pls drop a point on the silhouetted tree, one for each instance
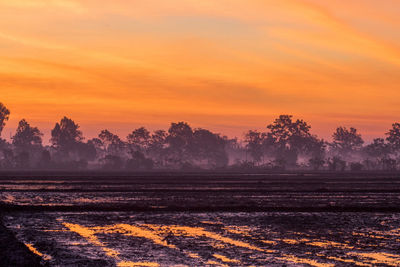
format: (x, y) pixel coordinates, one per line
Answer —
(112, 144)
(157, 147)
(236, 152)
(287, 143)
(66, 135)
(4, 116)
(180, 136)
(290, 138)
(378, 148)
(27, 143)
(112, 147)
(346, 141)
(255, 144)
(71, 152)
(210, 148)
(139, 161)
(98, 145)
(393, 137)
(26, 136)
(314, 149)
(158, 139)
(377, 153)
(139, 140)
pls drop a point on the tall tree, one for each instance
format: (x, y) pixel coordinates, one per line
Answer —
(157, 147)
(26, 136)
(4, 116)
(180, 135)
(27, 142)
(158, 139)
(393, 137)
(66, 134)
(209, 147)
(112, 144)
(378, 155)
(346, 140)
(179, 139)
(290, 137)
(139, 139)
(255, 144)
(316, 149)
(378, 148)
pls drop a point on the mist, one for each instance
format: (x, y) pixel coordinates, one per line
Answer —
(287, 144)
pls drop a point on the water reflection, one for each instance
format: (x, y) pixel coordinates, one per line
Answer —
(35, 251)
(225, 259)
(141, 264)
(163, 235)
(133, 241)
(378, 258)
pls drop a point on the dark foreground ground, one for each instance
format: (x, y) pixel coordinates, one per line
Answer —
(14, 252)
(222, 219)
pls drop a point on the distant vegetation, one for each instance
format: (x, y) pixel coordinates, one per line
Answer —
(287, 144)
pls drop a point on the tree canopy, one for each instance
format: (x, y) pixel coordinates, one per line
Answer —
(287, 143)
(4, 116)
(26, 135)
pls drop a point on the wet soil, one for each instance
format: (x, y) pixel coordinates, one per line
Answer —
(15, 253)
(211, 239)
(200, 219)
(202, 192)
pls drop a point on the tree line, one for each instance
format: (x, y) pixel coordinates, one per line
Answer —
(286, 144)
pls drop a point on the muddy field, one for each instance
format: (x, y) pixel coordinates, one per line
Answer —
(220, 239)
(205, 219)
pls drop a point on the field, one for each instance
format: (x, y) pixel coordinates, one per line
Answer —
(209, 219)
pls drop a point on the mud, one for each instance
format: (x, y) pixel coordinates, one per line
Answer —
(214, 239)
(15, 253)
(202, 219)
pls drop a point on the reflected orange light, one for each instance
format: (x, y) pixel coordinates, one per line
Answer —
(224, 65)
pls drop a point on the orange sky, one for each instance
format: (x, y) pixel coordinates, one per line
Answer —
(227, 65)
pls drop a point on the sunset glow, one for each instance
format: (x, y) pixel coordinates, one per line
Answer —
(225, 65)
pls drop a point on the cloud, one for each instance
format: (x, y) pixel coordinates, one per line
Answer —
(69, 5)
(238, 61)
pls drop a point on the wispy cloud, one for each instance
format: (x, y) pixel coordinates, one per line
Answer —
(68, 5)
(177, 58)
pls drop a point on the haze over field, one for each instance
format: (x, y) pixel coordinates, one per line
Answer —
(199, 132)
(224, 65)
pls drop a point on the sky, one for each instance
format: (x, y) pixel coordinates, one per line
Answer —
(225, 65)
